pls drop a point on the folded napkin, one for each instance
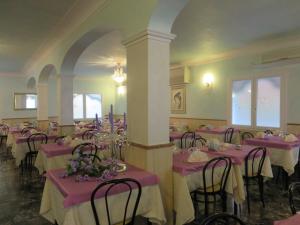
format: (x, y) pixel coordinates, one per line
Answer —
(290, 138)
(214, 144)
(197, 156)
(67, 140)
(260, 135)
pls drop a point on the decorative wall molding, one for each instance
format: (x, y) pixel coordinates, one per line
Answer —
(148, 34)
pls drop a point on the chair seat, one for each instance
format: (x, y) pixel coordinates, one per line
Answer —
(216, 189)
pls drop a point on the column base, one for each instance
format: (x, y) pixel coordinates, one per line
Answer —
(159, 160)
(66, 130)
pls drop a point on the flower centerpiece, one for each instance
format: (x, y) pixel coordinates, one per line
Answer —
(85, 167)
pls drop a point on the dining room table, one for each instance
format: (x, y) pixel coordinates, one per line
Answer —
(188, 176)
(20, 147)
(54, 155)
(293, 220)
(282, 153)
(218, 133)
(67, 201)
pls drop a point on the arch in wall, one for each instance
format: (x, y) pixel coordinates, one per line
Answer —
(46, 72)
(73, 54)
(31, 84)
(165, 14)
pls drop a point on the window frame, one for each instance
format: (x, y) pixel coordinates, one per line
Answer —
(84, 105)
(254, 81)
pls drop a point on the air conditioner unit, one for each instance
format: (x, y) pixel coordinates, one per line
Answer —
(281, 55)
(180, 75)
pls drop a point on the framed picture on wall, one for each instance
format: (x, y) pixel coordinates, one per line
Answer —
(178, 99)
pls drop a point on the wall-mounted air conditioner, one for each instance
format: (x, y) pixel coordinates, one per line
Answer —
(180, 75)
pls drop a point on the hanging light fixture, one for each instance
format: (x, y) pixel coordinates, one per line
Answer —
(119, 75)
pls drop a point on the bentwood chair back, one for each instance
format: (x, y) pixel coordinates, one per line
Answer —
(4, 129)
(88, 134)
(268, 132)
(199, 142)
(187, 139)
(222, 219)
(294, 197)
(254, 162)
(34, 142)
(129, 185)
(214, 178)
(228, 135)
(86, 148)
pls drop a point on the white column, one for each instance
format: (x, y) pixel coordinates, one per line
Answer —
(148, 104)
(65, 103)
(42, 107)
(148, 108)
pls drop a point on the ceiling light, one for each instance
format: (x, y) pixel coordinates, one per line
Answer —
(119, 75)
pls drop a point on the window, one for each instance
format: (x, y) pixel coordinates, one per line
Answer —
(85, 106)
(256, 102)
(31, 101)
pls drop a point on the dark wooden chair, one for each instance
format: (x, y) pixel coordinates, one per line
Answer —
(254, 162)
(88, 134)
(228, 135)
(210, 188)
(33, 142)
(108, 186)
(199, 142)
(268, 131)
(222, 219)
(186, 140)
(4, 129)
(87, 149)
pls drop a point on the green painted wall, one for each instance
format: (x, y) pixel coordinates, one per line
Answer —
(212, 103)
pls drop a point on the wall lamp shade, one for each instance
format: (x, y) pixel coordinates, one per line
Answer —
(208, 79)
(119, 76)
(121, 90)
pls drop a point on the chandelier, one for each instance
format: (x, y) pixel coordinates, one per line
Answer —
(119, 75)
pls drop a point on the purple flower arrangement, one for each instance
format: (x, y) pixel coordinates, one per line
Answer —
(84, 169)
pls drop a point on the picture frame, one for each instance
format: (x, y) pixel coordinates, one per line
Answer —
(178, 99)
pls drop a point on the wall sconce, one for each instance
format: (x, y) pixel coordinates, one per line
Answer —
(121, 89)
(208, 79)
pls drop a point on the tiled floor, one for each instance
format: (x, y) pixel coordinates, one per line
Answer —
(20, 199)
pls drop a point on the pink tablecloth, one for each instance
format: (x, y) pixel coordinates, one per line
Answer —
(53, 149)
(272, 142)
(217, 130)
(237, 156)
(293, 220)
(23, 139)
(77, 192)
(175, 135)
(183, 167)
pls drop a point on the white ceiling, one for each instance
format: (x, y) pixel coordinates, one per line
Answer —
(204, 28)
(210, 27)
(102, 56)
(24, 26)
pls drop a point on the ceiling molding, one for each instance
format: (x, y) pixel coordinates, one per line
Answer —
(148, 34)
(73, 18)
